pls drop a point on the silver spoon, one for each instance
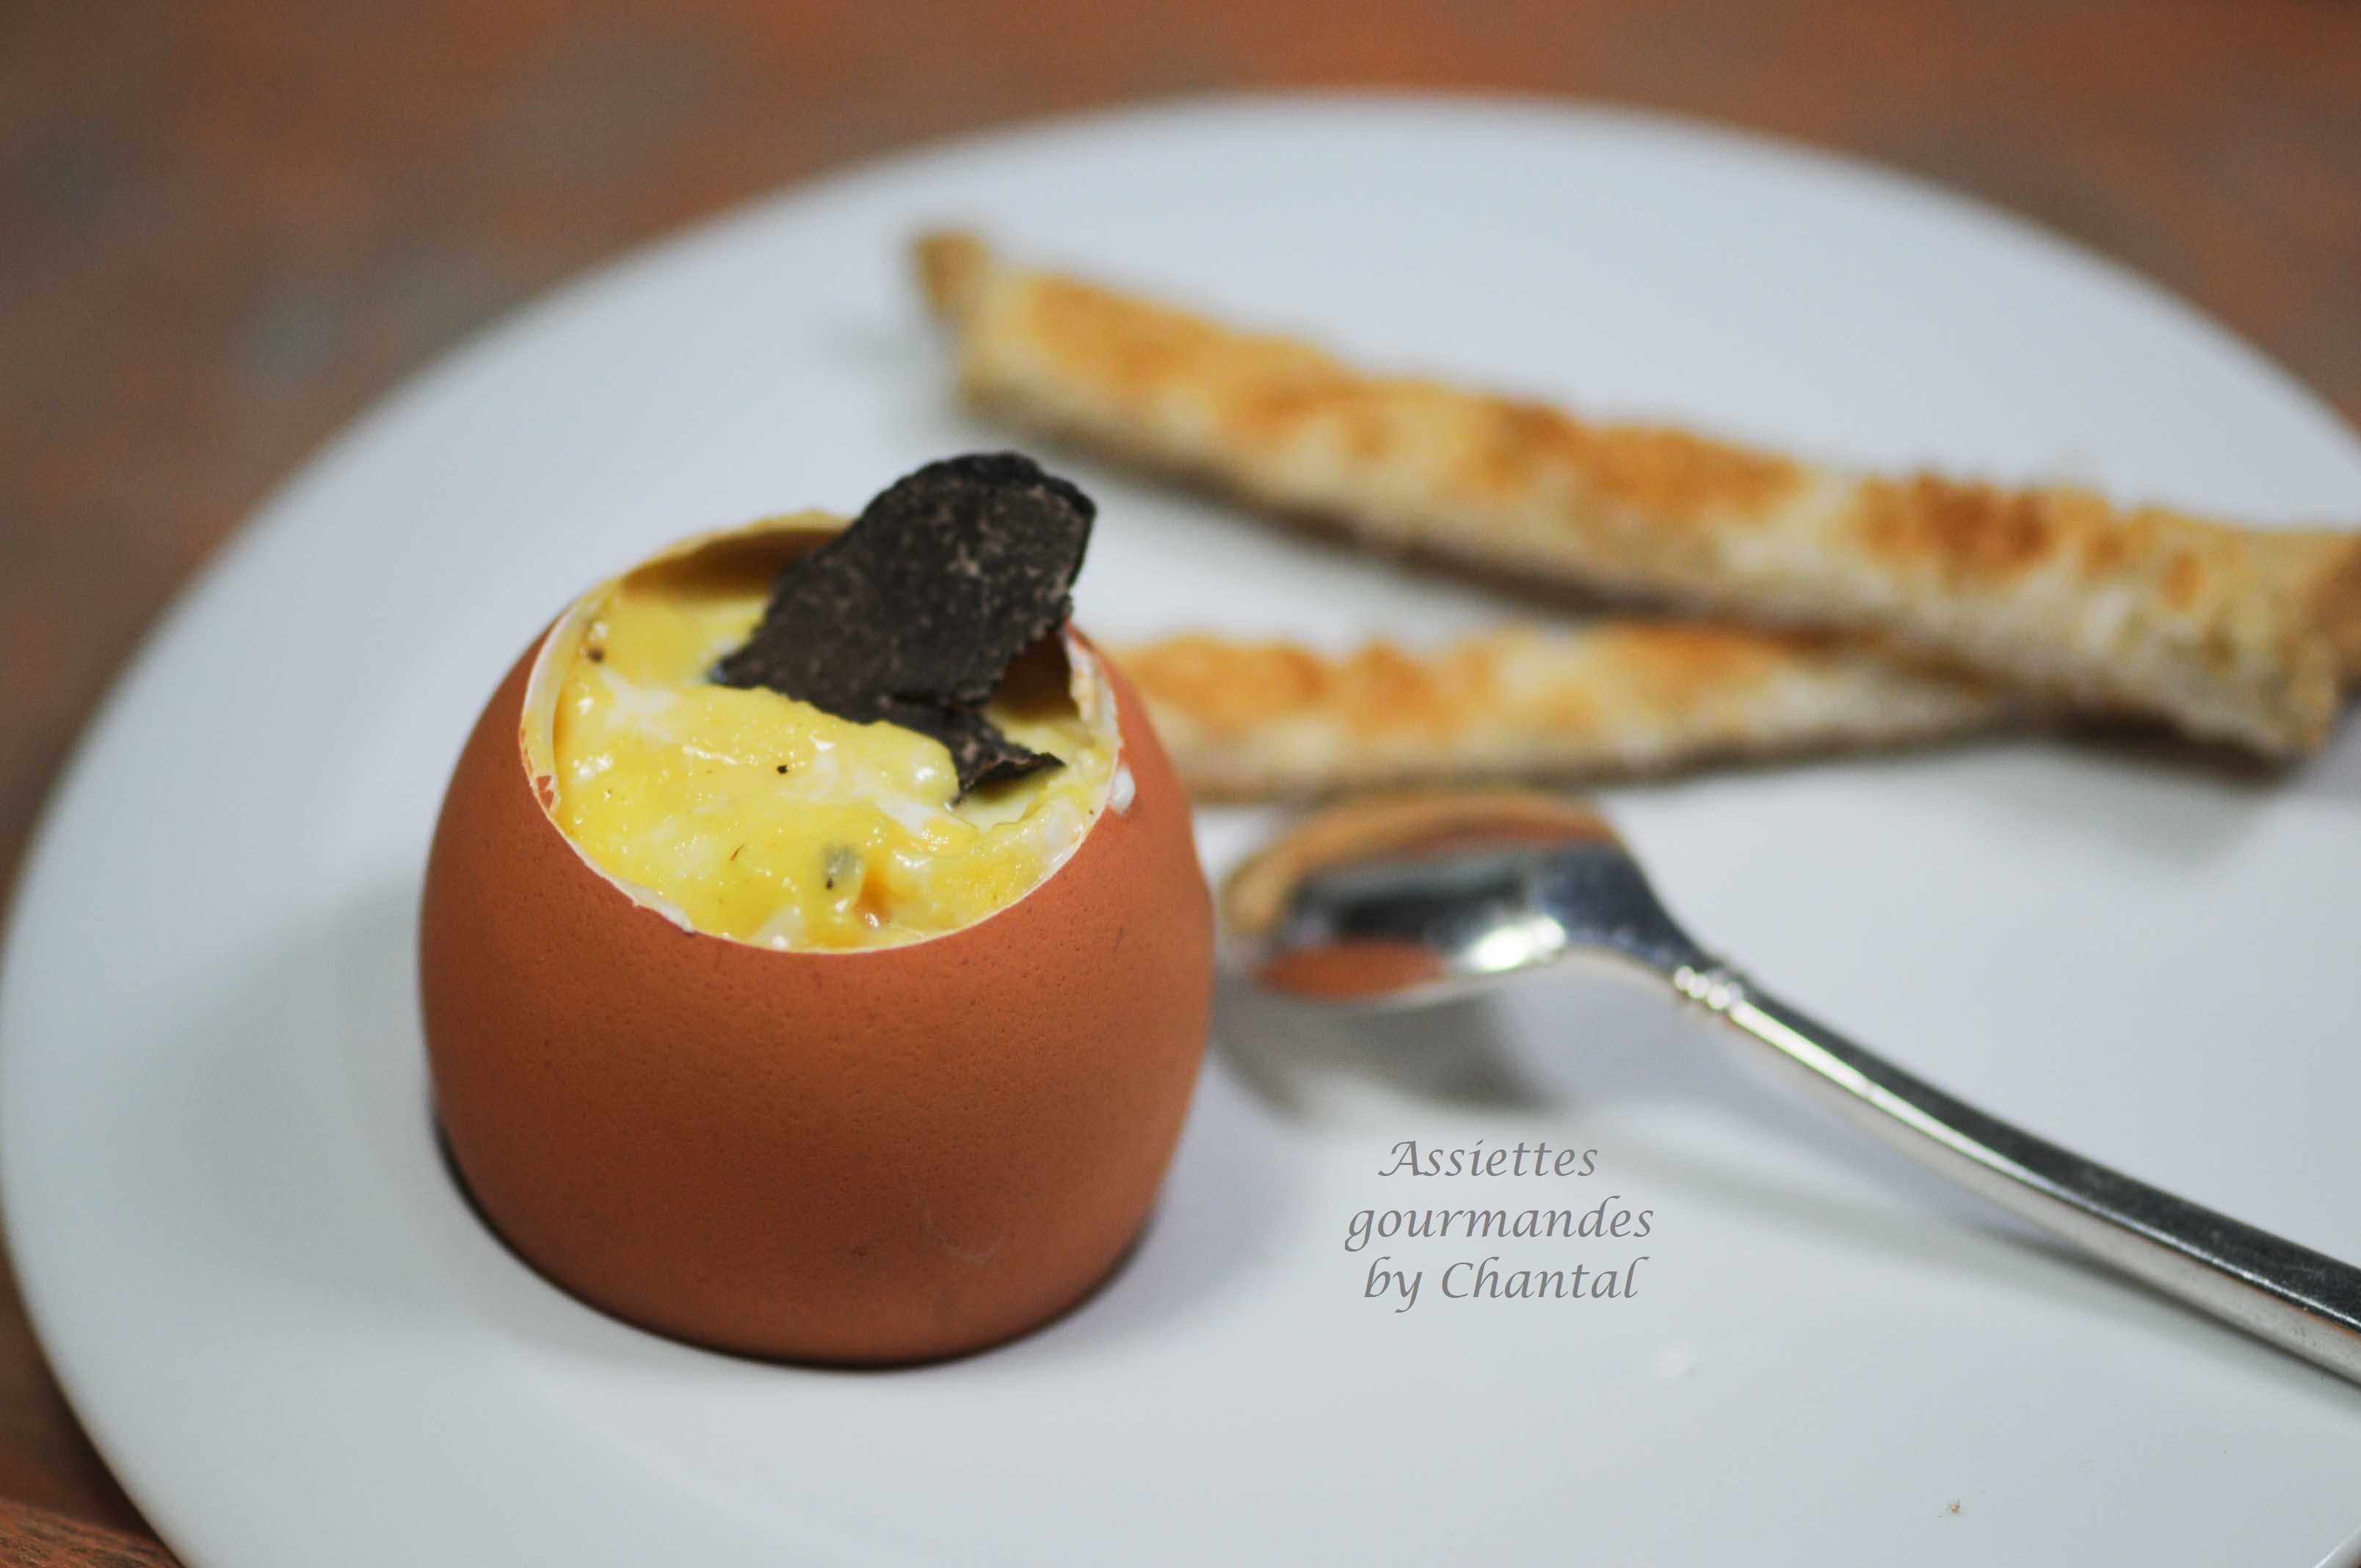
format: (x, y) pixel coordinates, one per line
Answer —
(1398, 899)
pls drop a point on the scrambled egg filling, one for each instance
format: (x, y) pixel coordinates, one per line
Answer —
(760, 817)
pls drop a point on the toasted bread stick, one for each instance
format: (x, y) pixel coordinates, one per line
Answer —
(1248, 720)
(2237, 634)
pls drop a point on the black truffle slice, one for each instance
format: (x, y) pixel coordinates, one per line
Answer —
(912, 615)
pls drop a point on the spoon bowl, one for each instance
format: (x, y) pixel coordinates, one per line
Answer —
(1404, 899)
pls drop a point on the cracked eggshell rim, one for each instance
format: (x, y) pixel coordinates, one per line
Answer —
(553, 655)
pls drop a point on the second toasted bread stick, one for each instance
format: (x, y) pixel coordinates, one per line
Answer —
(1248, 720)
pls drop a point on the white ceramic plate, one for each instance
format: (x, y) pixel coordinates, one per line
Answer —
(296, 1347)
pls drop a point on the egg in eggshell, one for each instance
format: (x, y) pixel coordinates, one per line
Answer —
(864, 1155)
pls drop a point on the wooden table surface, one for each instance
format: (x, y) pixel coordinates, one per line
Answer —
(225, 228)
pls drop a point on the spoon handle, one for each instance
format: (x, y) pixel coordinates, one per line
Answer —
(2297, 1299)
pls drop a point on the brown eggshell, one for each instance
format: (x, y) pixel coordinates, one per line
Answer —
(873, 1156)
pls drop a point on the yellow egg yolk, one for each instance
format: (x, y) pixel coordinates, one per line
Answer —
(757, 817)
